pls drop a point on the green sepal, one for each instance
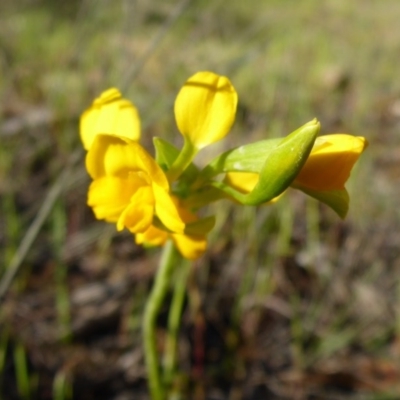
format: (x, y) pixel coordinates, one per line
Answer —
(338, 200)
(280, 167)
(247, 158)
(250, 157)
(167, 153)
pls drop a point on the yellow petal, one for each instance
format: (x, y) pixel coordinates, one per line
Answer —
(108, 196)
(109, 114)
(205, 108)
(330, 163)
(112, 155)
(138, 216)
(152, 237)
(191, 247)
(244, 182)
(166, 210)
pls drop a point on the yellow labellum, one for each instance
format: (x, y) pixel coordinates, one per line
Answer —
(128, 186)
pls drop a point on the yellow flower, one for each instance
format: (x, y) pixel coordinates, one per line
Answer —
(191, 246)
(128, 186)
(205, 108)
(324, 174)
(109, 114)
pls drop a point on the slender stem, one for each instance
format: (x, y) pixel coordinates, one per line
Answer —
(153, 306)
(174, 320)
(184, 158)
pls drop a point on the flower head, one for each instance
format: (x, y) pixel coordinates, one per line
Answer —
(128, 186)
(158, 199)
(109, 114)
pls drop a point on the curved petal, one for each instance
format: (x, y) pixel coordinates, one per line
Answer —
(330, 163)
(167, 211)
(152, 237)
(244, 182)
(108, 196)
(191, 247)
(138, 215)
(109, 114)
(205, 108)
(112, 155)
(87, 126)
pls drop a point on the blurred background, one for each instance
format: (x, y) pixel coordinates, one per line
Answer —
(289, 301)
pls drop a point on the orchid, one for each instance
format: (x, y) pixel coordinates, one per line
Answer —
(129, 188)
(159, 198)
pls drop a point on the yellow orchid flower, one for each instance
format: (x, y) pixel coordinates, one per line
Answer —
(205, 108)
(128, 186)
(324, 174)
(109, 114)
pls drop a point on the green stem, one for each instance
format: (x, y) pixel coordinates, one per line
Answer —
(152, 309)
(183, 160)
(174, 320)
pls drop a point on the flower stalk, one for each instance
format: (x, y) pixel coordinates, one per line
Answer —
(153, 306)
(174, 320)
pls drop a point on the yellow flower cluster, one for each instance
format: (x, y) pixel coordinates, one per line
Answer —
(129, 188)
(134, 191)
